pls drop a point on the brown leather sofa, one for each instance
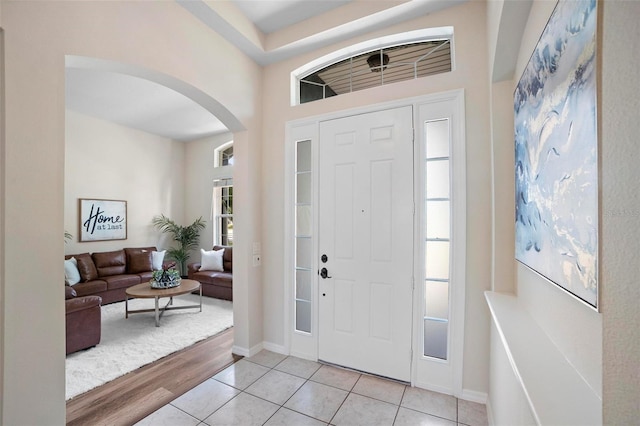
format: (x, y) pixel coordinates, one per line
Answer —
(218, 284)
(82, 320)
(109, 274)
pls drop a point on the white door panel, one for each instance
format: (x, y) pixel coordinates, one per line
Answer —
(366, 231)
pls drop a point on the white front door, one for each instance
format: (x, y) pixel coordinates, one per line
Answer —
(366, 242)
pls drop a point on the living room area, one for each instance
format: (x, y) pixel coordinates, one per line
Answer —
(137, 166)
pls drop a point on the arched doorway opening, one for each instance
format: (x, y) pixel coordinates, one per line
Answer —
(197, 96)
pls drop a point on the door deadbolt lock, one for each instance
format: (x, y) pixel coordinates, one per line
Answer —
(324, 258)
(324, 273)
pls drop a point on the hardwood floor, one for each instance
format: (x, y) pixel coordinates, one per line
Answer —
(134, 396)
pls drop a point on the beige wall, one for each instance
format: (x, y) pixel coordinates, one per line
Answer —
(470, 74)
(107, 161)
(158, 36)
(2, 184)
(620, 211)
(199, 177)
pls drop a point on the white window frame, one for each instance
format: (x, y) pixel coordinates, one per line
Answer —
(224, 178)
(367, 46)
(217, 212)
(218, 151)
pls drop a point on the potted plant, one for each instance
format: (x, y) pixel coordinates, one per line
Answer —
(187, 237)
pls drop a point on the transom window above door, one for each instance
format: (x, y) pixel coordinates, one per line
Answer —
(379, 62)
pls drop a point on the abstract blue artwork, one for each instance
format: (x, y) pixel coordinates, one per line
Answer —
(556, 148)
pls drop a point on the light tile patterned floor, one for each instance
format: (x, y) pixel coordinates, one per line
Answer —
(272, 389)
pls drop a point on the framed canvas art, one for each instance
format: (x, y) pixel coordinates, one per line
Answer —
(556, 149)
(102, 220)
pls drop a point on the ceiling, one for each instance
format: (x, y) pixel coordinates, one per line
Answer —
(274, 15)
(153, 108)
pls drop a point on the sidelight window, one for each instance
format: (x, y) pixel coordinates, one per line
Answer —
(437, 244)
(303, 237)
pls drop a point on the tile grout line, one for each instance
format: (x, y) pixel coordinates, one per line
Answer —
(306, 380)
(309, 379)
(399, 405)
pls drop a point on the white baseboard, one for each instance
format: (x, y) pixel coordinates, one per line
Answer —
(279, 349)
(430, 387)
(237, 350)
(467, 395)
(474, 396)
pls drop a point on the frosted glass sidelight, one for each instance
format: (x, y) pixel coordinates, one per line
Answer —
(303, 316)
(438, 219)
(303, 188)
(303, 241)
(437, 260)
(437, 299)
(303, 253)
(303, 284)
(437, 247)
(437, 174)
(435, 338)
(303, 156)
(303, 221)
(438, 138)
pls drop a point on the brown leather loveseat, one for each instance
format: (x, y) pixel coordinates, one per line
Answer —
(218, 284)
(82, 320)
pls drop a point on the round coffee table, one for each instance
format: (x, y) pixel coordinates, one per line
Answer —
(145, 291)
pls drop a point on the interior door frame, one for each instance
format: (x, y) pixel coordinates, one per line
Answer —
(305, 345)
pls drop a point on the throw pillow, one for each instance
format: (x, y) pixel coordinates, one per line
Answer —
(211, 260)
(71, 273)
(140, 262)
(157, 259)
(87, 268)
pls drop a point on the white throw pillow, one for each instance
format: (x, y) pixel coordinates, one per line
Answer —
(71, 273)
(211, 260)
(157, 257)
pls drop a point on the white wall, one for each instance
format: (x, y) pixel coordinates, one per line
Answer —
(508, 404)
(108, 161)
(470, 74)
(199, 177)
(158, 36)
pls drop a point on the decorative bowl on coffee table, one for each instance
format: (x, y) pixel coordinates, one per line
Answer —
(165, 279)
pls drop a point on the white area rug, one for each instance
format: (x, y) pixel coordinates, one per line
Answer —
(128, 344)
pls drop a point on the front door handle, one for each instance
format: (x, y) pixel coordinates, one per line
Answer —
(324, 273)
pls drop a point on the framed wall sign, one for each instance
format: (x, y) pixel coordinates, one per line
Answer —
(102, 220)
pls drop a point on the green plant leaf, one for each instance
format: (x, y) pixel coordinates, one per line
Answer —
(188, 237)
